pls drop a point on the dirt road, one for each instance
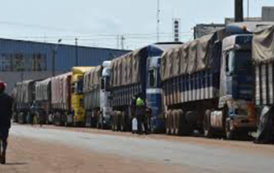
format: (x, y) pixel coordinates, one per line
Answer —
(50, 150)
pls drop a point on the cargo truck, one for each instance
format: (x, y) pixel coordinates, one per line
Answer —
(25, 96)
(263, 59)
(97, 96)
(208, 85)
(61, 98)
(43, 99)
(78, 116)
(129, 77)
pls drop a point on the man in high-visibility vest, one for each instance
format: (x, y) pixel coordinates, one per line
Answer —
(140, 113)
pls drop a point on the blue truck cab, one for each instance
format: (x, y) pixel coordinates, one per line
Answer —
(153, 84)
(236, 85)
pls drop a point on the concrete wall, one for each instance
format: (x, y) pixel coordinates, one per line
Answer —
(268, 14)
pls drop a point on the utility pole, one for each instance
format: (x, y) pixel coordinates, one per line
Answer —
(118, 41)
(76, 52)
(54, 51)
(122, 41)
(247, 9)
(158, 21)
(239, 16)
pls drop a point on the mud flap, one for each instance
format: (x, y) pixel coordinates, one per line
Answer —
(266, 127)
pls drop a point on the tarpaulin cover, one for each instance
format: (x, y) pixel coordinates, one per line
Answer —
(92, 79)
(263, 45)
(266, 126)
(125, 70)
(24, 91)
(187, 58)
(60, 91)
(43, 90)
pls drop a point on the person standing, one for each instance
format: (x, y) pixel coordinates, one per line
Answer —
(5, 120)
(140, 104)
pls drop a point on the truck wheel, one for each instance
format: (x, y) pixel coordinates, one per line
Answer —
(230, 134)
(179, 122)
(176, 120)
(122, 126)
(168, 122)
(119, 118)
(172, 115)
(208, 131)
(116, 121)
(112, 122)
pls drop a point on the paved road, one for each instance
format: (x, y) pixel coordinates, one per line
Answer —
(197, 155)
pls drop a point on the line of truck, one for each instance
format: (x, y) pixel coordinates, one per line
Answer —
(216, 85)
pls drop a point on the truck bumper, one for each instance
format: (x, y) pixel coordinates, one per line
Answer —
(157, 124)
(242, 124)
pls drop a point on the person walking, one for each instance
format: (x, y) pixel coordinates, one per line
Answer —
(5, 120)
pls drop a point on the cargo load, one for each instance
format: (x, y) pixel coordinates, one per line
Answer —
(263, 58)
(91, 88)
(43, 90)
(130, 76)
(60, 92)
(207, 85)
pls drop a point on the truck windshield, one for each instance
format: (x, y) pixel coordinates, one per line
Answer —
(243, 63)
(152, 78)
(79, 87)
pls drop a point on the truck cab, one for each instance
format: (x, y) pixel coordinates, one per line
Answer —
(77, 103)
(236, 86)
(154, 92)
(105, 96)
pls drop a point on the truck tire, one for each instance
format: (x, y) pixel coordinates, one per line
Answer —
(208, 131)
(114, 117)
(168, 122)
(122, 121)
(112, 121)
(180, 124)
(176, 122)
(172, 116)
(119, 118)
(230, 134)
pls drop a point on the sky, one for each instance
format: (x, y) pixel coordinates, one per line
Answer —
(101, 22)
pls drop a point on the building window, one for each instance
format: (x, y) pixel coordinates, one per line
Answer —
(23, 62)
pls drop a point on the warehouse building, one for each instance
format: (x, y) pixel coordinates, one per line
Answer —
(23, 60)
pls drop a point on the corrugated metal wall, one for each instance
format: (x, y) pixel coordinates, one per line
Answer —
(65, 58)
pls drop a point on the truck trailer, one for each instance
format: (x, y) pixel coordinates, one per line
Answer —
(43, 100)
(61, 98)
(25, 96)
(208, 85)
(263, 59)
